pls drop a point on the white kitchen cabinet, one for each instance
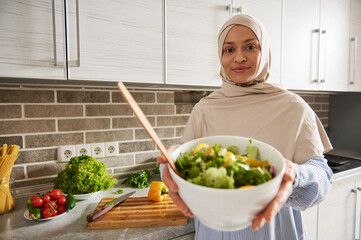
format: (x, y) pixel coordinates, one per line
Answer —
(192, 28)
(115, 40)
(316, 45)
(339, 213)
(335, 26)
(300, 44)
(355, 46)
(310, 219)
(192, 32)
(32, 39)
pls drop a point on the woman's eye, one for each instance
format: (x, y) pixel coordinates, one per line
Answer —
(251, 47)
(228, 50)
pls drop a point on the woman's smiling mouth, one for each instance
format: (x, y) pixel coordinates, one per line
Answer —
(240, 69)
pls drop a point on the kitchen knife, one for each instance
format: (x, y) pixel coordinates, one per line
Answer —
(107, 207)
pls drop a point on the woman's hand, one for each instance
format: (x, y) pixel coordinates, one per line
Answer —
(280, 199)
(172, 186)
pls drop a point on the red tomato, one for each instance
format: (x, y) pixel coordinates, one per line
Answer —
(47, 204)
(47, 213)
(55, 212)
(35, 195)
(61, 200)
(37, 201)
(55, 194)
(46, 198)
(61, 209)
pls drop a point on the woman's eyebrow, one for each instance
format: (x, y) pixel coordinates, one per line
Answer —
(246, 41)
(250, 39)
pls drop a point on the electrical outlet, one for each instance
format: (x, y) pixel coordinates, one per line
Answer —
(65, 153)
(111, 149)
(82, 149)
(97, 150)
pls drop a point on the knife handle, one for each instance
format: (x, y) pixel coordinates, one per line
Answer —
(98, 213)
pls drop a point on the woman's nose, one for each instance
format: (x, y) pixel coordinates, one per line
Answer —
(240, 56)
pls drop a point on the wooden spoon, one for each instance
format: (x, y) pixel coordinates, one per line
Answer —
(145, 123)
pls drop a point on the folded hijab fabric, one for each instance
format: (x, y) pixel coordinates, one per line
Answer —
(261, 111)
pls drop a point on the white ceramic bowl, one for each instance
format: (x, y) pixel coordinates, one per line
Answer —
(229, 209)
(86, 196)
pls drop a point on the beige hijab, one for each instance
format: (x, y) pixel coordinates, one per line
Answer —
(263, 111)
(261, 34)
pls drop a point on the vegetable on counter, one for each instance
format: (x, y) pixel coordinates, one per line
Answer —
(224, 167)
(84, 174)
(139, 179)
(119, 191)
(158, 191)
(49, 205)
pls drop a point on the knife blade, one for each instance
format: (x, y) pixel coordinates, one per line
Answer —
(108, 206)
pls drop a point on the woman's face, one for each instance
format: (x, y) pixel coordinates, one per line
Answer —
(241, 54)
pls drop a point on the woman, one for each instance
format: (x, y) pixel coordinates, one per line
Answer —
(248, 106)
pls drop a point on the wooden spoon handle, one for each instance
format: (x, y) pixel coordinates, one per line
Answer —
(145, 123)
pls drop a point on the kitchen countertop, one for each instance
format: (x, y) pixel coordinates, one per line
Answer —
(74, 225)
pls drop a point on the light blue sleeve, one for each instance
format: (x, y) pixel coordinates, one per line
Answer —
(312, 184)
(161, 168)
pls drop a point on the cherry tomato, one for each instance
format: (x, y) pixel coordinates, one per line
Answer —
(35, 195)
(61, 209)
(61, 200)
(55, 212)
(55, 194)
(47, 213)
(46, 198)
(48, 203)
(37, 201)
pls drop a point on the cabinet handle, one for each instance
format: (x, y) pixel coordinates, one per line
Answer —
(54, 34)
(357, 212)
(323, 80)
(352, 80)
(316, 79)
(165, 44)
(77, 34)
(231, 9)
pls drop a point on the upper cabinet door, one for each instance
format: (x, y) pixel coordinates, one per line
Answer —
(115, 40)
(192, 28)
(335, 35)
(192, 37)
(355, 46)
(316, 45)
(301, 44)
(269, 13)
(32, 39)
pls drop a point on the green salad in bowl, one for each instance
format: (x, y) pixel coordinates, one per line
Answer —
(224, 167)
(227, 180)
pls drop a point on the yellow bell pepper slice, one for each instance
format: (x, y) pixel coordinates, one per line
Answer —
(229, 157)
(257, 163)
(246, 186)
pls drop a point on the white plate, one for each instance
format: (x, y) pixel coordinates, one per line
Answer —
(26, 215)
(86, 196)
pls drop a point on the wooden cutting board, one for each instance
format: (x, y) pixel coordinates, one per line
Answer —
(139, 211)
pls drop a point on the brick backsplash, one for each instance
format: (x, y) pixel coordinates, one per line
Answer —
(39, 119)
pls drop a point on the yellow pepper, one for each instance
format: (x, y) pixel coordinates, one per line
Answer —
(158, 191)
(257, 163)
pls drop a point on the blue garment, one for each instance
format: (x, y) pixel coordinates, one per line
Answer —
(311, 186)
